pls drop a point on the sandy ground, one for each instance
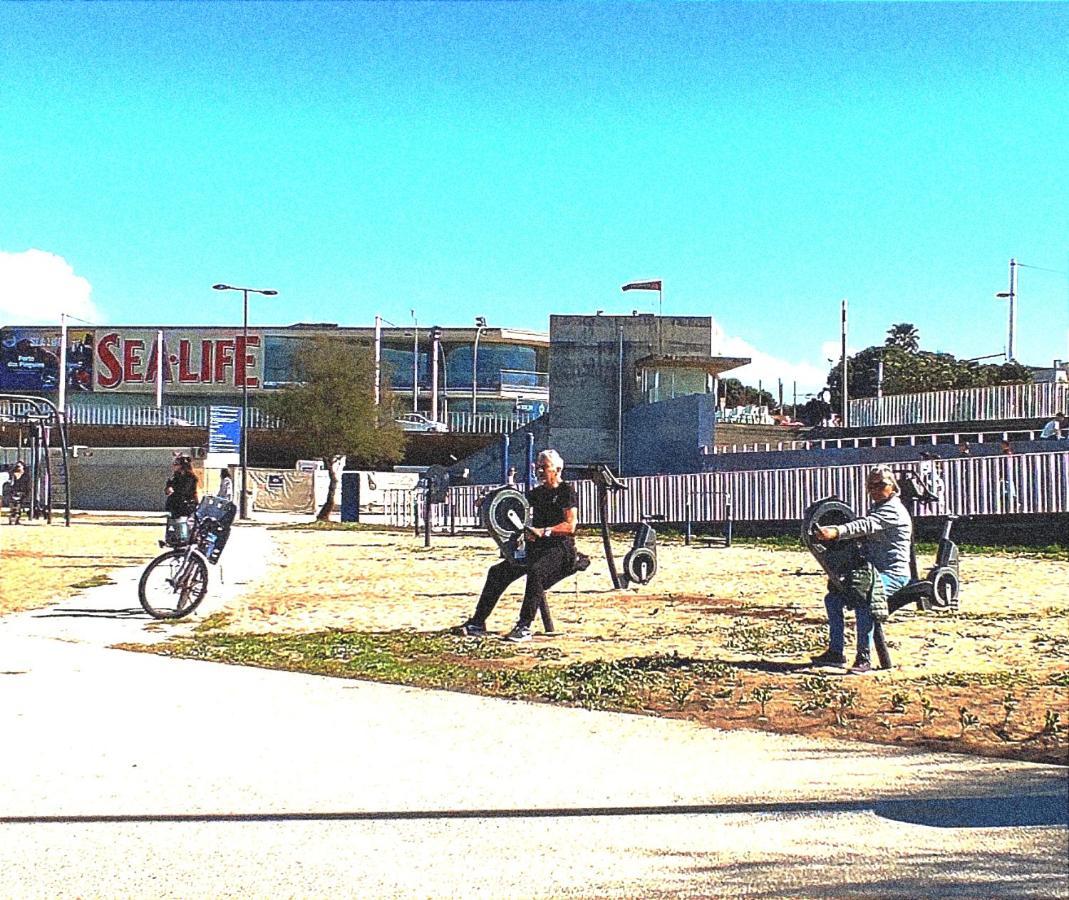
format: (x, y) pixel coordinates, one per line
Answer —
(758, 610)
(40, 563)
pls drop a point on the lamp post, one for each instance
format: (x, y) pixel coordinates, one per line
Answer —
(243, 503)
(1011, 295)
(480, 325)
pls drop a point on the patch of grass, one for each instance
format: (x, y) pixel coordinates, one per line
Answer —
(214, 622)
(316, 525)
(776, 637)
(1004, 679)
(445, 661)
(92, 582)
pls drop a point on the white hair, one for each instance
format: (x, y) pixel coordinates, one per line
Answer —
(553, 458)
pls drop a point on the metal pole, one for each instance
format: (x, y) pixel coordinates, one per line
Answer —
(415, 362)
(620, 399)
(63, 362)
(529, 475)
(1010, 355)
(475, 374)
(378, 359)
(434, 374)
(244, 506)
(159, 369)
(846, 418)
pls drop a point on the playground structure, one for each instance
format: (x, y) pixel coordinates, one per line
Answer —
(30, 428)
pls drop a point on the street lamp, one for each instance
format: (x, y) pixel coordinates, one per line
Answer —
(1011, 295)
(480, 325)
(243, 503)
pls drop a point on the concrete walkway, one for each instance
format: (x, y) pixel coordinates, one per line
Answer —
(133, 775)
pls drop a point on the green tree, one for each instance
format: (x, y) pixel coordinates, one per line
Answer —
(909, 372)
(904, 335)
(330, 410)
(736, 393)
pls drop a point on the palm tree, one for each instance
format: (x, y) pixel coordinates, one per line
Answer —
(904, 335)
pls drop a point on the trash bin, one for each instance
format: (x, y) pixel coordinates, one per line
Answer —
(350, 496)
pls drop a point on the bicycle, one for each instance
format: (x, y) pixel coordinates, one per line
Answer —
(175, 582)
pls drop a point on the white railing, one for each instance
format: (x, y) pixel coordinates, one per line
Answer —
(979, 485)
(172, 416)
(487, 423)
(1006, 401)
(883, 440)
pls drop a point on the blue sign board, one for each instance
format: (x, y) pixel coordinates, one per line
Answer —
(224, 429)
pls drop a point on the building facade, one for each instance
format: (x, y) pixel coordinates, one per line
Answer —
(446, 374)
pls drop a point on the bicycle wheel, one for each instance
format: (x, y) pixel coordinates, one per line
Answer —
(173, 585)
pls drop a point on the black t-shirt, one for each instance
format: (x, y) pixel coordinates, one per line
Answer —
(548, 506)
(184, 499)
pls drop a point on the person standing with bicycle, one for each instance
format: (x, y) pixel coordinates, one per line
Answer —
(181, 489)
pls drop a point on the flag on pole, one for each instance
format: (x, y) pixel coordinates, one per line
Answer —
(642, 286)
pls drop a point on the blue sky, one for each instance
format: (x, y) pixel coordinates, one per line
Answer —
(517, 160)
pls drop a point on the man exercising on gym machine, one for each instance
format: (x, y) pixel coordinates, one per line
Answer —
(550, 552)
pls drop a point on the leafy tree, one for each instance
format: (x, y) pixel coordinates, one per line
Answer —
(331, 413)
(915, 371)
(904, 335)
(736, 393)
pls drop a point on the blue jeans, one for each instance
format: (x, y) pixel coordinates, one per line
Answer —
(835, 604)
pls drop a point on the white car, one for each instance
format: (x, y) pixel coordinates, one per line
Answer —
(417, 422)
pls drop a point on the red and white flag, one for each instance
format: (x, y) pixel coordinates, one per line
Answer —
(642, 286)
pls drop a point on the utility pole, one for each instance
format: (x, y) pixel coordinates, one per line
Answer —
(845, 416)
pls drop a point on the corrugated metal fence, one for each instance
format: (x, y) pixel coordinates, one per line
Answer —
(1006, 401)
(985, 485)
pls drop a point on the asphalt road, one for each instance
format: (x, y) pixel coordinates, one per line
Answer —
(133, 775)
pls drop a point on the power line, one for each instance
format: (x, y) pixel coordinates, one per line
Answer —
(1041, 269)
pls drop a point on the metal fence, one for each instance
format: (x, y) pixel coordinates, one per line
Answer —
(188, 415)
(1006, 401)
(487, 423)
(884, 440)
(984, 485)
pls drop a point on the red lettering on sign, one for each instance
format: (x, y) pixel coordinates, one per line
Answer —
(224, 360)
(186, 375)
(133, 355)
(110, 373)
(206, 362)
(245, 360)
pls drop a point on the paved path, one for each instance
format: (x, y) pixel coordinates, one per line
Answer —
(133, 775)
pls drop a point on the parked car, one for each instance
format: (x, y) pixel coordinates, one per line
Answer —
(417, 422)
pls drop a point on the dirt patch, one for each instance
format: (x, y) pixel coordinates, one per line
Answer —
(992, 679)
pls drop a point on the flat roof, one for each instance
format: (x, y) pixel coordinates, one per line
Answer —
(713, 365)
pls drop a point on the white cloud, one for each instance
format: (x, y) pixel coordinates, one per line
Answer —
(36, 286)
(766, 368)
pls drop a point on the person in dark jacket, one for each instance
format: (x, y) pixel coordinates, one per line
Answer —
(181, 489)
(18, 489)
(887, 531)
(550, 551)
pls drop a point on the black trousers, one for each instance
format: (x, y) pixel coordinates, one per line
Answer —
(547, 563)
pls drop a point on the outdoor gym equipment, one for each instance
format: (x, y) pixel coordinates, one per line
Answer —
(436, 481)
(175, 582)
(938, 590)
(37, 424)
(640, 562)
(505, 514)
